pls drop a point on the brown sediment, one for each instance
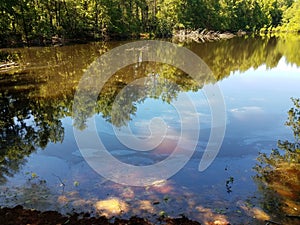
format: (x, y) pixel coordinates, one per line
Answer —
(19, 215)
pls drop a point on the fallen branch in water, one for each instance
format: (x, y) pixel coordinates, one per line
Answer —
(202, 36)
(62, 184)
(10, 64)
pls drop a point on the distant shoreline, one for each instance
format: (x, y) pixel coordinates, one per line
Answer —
(180, 35)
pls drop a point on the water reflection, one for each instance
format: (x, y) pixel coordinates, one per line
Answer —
(36, 100)
(26, 124)
(278, 175)
(132, 85)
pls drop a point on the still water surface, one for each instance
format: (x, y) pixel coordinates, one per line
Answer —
(41, 166)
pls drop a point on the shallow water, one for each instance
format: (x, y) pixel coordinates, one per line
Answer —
(42, 166)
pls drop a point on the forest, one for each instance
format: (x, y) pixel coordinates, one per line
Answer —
(37, 22)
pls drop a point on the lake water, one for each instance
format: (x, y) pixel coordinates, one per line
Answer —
(42, 167)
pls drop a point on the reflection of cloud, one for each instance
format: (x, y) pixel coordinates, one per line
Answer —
(257, 99)
(162, 186)
(172, 120)
(166, 147)
(183, 127)
(189, 118)
(246, 112)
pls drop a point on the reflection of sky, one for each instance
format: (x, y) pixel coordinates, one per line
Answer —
(266, 89)
(152, 108)
(257, 102)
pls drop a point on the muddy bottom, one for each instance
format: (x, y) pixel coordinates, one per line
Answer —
(19, 215)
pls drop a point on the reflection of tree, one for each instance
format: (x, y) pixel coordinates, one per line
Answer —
(121, 93)
(165, 81)
(238, 54)
(289, 45)
(25, 125)
(279, 173)
(117, 101)
(38, 94)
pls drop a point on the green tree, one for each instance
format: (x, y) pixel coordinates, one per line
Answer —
(168, 15)
(291, 18)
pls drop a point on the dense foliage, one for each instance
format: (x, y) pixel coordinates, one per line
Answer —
(291, 18)
(38, 21)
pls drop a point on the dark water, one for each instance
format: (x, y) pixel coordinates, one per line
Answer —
(41, 165)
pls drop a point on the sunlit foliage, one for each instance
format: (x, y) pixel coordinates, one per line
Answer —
(291, 18)
(43, 21)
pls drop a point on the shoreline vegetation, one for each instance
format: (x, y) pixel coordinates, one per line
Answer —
(57, 22)
(183, 35)
(8, 62)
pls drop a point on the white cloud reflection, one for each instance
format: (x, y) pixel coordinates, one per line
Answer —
(246, 112)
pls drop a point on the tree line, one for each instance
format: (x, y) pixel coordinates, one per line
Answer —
(41, 20)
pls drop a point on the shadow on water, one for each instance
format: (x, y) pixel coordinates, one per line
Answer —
(38, 94)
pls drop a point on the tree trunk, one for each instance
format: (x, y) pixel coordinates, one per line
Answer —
(24, 24)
